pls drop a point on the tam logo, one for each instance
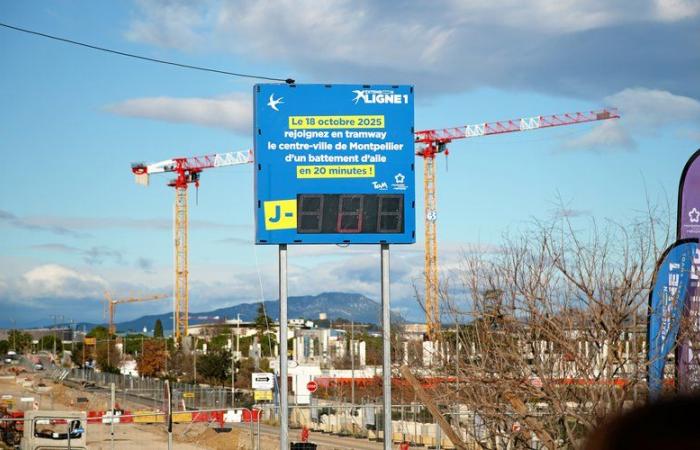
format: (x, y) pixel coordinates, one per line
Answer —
(376, 96)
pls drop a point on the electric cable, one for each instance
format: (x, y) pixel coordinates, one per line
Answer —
(146, 58)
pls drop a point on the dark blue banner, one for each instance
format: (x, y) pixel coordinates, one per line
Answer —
(688, 354)
(666, 303)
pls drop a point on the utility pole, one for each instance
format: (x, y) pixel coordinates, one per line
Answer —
(72, 336)
(111, 413)
(352, 371)
(352, 364)
(238, 332)
(14, 335)
(55, 318)
(233, 359)
(195, 360)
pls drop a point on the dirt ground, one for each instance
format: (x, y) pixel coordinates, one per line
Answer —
(126, 436)
(132, 436)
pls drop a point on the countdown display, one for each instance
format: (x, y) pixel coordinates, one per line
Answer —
(347, 213)
(334, 164)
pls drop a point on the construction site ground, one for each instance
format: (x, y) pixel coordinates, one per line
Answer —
(56, 396)
(128, 435)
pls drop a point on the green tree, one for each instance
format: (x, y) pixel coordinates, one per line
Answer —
(47, 342)
(107, 357)
(77, 355)
(215, 366)
(19, 341)
(4, 346)
(374, 347)
(158, 329)
(99, 332)
(219, 341)
(267, 345)
(262, 321)
(133, 343)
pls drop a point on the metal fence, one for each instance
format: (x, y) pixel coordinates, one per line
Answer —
(411, 423)
(150, 391)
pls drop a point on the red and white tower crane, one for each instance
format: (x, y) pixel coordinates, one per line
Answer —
(187, 171)
(434, 142)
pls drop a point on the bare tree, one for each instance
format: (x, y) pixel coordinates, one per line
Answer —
(553, 330)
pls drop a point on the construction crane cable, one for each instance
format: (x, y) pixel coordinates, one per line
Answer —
(146, 58)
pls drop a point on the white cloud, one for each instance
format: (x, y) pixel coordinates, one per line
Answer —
(232, 112)
(643, 112)
(355, 269)
(68, 225)
(608, 136)
(94, 255)
(53, 280)
(652, 108)
(181, 24)
(571, 47)
(674, 10)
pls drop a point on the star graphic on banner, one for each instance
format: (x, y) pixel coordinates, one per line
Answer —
(399, 178)
(694, 215)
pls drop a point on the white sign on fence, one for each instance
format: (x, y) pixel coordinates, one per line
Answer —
(262, 381)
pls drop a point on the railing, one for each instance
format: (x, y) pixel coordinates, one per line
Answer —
(150, 391)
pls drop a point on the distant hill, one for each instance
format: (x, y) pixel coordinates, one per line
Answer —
(336, 305)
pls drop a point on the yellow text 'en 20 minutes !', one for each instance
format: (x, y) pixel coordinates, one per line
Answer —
(336, 171)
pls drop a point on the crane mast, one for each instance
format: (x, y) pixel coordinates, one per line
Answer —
(187, 171)
(435, 142)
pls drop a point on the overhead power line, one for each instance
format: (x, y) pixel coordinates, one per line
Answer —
(145, 58)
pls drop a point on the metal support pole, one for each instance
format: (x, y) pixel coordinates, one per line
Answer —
(284, 411)
(352, 369)
(386, 338)
(233, 373)
(111, 413)
(194, 356)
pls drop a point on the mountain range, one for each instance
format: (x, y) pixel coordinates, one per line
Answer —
(336, 305)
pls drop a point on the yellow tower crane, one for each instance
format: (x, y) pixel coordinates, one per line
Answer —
(112, 305)
(434, 142)
(187, 170)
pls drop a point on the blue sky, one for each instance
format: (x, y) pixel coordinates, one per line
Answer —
(74, 223)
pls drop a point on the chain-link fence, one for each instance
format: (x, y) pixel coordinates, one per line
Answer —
(149, 391)
(411, 423)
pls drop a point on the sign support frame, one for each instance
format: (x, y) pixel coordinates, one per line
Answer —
(386, 338)
(284, 398)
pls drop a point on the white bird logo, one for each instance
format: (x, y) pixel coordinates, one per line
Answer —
(359, 95)
(273, 103)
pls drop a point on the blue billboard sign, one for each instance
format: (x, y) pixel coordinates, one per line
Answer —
(334, 164)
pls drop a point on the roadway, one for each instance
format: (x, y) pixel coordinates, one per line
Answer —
(324, 441)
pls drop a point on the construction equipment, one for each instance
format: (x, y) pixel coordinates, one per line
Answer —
(435, 142)
(112, 305)
(187, 171)
(54, 430)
